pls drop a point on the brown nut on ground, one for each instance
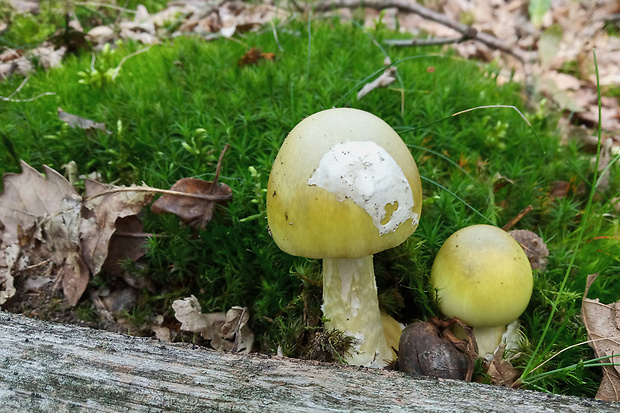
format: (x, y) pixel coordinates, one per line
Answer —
(425, 351)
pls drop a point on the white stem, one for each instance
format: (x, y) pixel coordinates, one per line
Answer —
(351, 305)
(488, 338)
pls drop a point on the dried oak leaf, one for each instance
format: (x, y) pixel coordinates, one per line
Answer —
(104, 205)
(30, 195)
(226, 331)
(602, 323)
(194, 200)
(50, 205)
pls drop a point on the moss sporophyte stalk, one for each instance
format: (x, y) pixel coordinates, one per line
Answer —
(343, 187)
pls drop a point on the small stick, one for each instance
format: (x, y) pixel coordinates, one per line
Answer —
(10, 97)
(217, 169)
(162, 191)
(409, 6)
(518, 218)
(438, 41)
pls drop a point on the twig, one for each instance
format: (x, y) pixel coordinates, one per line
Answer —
(18, 88)
(438, 41)
(218, 168)
(129, 56)
(161, 191)
(468, 32)
(518, 218)
(9, 98)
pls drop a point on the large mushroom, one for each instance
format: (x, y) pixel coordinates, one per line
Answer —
(343, 187)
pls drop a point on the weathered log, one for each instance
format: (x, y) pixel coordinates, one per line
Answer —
(56, 368)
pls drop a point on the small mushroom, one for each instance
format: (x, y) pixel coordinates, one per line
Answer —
(483, 277)
(343, 187)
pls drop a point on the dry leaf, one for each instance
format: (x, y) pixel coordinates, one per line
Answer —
(610, 110)
(195, 211)
(127, 243)
(226, 331)
(105, 204)
(236, 328)
(78, 122)
(30, 195)
(162, 333)
(49, 206)
(73, 233)
(253, 56)
(61, 235)
(25, 6)
(501, 371)
(602, 322)
(500, 181)
(141, 29)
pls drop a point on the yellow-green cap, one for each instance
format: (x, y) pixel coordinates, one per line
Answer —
(482, 276)
(344, 185)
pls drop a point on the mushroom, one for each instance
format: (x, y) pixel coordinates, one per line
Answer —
(343, 187)
(483, 277)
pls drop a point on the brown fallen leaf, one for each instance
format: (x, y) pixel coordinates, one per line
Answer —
(30, 195)
(128, 242)
(195, 211)
(253, 56)
(104, 205)
(602, 323)
(78, 122)
(49, 206)
(60, 232)
(500, 370)
(226, 331)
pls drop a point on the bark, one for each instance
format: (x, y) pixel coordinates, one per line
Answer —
(53, 367)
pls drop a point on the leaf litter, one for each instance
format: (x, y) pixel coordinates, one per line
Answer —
(46, 224)
(226, 331)
(602, 322)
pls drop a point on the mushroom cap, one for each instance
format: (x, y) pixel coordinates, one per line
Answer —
(344, 185)
(482, 276)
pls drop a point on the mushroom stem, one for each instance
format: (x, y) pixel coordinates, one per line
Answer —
(351, 305)
(488, 338)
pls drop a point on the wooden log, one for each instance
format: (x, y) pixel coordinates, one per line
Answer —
(57, 368)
